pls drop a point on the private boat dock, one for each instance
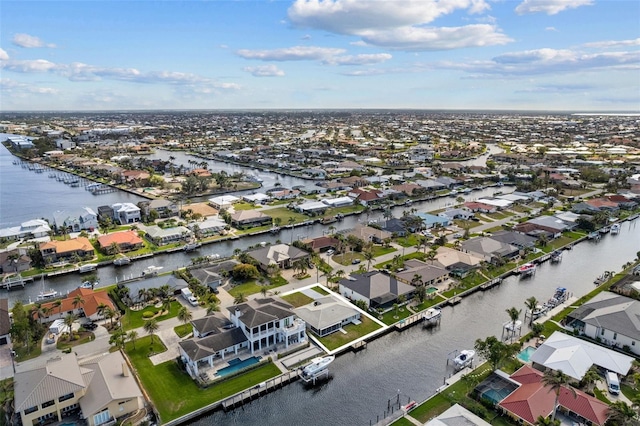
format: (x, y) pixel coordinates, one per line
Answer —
(257, 391)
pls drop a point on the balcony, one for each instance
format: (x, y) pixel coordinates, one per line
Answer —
(297, 326)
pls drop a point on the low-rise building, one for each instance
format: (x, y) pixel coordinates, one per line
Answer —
(37, 228)
(118, 242)
(76, 219)
(55, 251)
(126, 213)
(327, 315)
(377, 290)
(282, 255)
(249, 218)
(164, 236)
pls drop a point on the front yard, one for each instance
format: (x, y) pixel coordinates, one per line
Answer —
(253, 287)
(134, 319)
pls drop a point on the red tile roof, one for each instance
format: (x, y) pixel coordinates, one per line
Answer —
(533, 399)
(124, 237)
(92, 299)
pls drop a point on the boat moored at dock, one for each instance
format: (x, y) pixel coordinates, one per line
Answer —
(121, 261)
(89, 267)
(151, 271)
(317, 367)
(556, 256)
(527, 269)
(464, 359)
(615, 229)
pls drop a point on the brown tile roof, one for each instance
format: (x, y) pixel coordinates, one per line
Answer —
(124, 237)
(66, 246)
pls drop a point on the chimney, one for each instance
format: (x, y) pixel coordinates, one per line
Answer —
(125, 369)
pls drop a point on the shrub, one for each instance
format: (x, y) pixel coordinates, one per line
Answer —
(148, 314)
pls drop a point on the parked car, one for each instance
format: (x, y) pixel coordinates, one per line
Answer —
(355, 261)
(90, 326)
(330, 252)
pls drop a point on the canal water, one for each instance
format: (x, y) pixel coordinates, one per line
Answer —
(413, 362)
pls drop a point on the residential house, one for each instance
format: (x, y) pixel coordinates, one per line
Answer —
(377, 290)
(312, 208)
(458, 264)
(37, 228)
(282, 255)
(322, 244)
(453, 214)
(118, 242)
(517, 239)
(366, 197)
(208, 227)
(611, 319)
(327, 315)
(447, 181)
(457, 415)
(163, 208)
(395, 226)
(249, 218)
(164, 236)
(126, 213)
(13, 261)
(623, 202)
(90, 305)
(532, 399)
(208, 276)
(355, 181)
(430, 184)
(102, 389)
(474, 206)
(409, 189)
(488, 249)
(257, 198)
(551, 224)
(496, 202)
(223, 202)
(433, 221)
(67, 250)
(338, 202)
(430, 274)
(76, 220)
(284, 194)
(5, 322)
(575, 356)
(370, 234)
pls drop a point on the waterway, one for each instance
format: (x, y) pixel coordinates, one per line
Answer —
(413, 362)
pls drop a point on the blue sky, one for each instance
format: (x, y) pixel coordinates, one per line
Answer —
(575, 55)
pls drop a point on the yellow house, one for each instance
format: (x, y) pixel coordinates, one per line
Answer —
(101, 389)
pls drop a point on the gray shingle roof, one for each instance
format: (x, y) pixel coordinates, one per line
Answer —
(376, 286)
(327, 312)
(610, 311)
(197, 349)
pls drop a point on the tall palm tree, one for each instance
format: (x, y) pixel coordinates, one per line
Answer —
(240, 298)
(368, 255)
(78, 300)
(166, 304)
(556, 380)
(212, 307)
(621, 414)
(531, 304)
(546, 421)
(101, 308)
(590, 378)
(151, 326)
(68, 321)
(132, 336)
(184, 315)
(110, 314)
(514, 314)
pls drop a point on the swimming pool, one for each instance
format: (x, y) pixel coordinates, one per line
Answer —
(525, 354)
(432, 290)
(236, 364)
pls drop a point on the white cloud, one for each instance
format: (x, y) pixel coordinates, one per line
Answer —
(547, 61)
(15, 88)
(613, 43)
(295, 53)
(554, 29)
(353, 16)
(27, 66)
(28, 41)
(364, 59)
(550, 7)
(399, 24)
(265, 71)
(4, 56)
(443, 38)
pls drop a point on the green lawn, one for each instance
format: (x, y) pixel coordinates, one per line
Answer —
(320, 290)
(466, 223)
(429, 303)
(297, 299)
(254, 229)
(434, 406)
(346, 258)
(133, 319)
(183, 330)
(245, 206)
(356, 208)
(252, 287)
(175, 394)
(409, 241)
(499, 215)
(284, 214)
(390, 317)
(337, 339)
(402, 421)
(601, 396)
(382, 250)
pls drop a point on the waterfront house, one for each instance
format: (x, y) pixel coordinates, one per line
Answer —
(223, 201)
(210, 324)
(67, 250)
(377, 290)
(208, 227)
(430, 275)
(611, 319)
(164, 236)
(457, 415)
(209, 276)
(126, 213)
(532, 399)
(432, 220)
(458, 264)
(338, 202)
(322, 244)
(488, 249)
(36, 228)
(242, 219)
(474, 206)
(517, 239)
(312, 207)
(164, 208)
(369, 234)
(395, 226)
(282, 255)
(284, 194)
(366, 197)
(76, 219)
(354, 181)
(452, 214)
(5, 323)
(327, 315)
(101, 389)
(575, 356)
(91, 306)
(118, 242)
(13, 261)
(408, 189)
(430, 184)
(257, 198)
(551, 224)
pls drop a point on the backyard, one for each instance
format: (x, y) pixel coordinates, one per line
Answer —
(135, 319)
(253, 287)
(337, 339)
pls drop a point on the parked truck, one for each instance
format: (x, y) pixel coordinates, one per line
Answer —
(189, 297)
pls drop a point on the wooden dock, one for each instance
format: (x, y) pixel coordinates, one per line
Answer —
(259, 390)
(358, 346)
(409, 321)
(454, 301)
(490, 284)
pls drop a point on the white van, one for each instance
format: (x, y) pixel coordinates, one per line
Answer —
(189, 297)
(613, 384)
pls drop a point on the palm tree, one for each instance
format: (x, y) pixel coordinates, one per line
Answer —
(101, 308)
(184, 315)
(531, 304)
(514, 314)
(166, 304)
(621, 414)
(151, 326)
(68, 321)
(118, 338)
(263, 292)
(556, 380)
(110, 314)
(132, 336)
(590, 378)
(58, 304)
(546, 421)
(212, 307)
(240, 298)
(37, 310)
(78, 300)
(368, 255)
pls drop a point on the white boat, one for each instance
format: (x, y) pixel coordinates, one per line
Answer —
(191, 247)
(151, 271)
(48, 294)
(513, 327)
(464, 359)
(317, 366)
(87, 284)
(432, 315)
(527, 269)
(556, 256)
(453, 192)
(615, 229)
(121, 261)
(89, 267)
